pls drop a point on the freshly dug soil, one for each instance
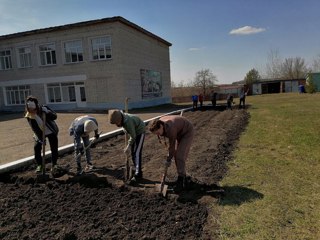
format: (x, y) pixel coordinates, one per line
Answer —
(99, 205)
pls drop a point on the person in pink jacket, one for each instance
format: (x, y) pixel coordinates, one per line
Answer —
(179, 130)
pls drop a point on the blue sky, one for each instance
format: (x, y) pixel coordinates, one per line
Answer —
(229, 37)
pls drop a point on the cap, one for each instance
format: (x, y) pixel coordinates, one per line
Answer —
(115, 116)
(90, 126)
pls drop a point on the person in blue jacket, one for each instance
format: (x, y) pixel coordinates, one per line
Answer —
(80, 128)
(195, 102)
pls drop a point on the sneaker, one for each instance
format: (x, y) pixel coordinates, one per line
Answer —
(133, 181)
(39, 168)
(138, 176)
(89, 167)
(54, 168)
(79, 171)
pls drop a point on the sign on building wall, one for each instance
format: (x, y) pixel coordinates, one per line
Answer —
(151, 83)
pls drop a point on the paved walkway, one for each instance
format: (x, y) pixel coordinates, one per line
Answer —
(16, 135)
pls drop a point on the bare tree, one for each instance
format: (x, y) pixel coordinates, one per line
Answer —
(273, 66)
(204, 79)
(294, 68)
(316, 64)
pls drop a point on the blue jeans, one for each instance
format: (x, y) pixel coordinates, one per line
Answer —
(78, 147)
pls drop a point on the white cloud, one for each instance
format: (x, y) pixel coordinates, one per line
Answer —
(246, 30)
(195, 49)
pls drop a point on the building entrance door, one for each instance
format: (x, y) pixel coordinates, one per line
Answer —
(81, 96)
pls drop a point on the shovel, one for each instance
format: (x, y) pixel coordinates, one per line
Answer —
(43, 176)
(162, 187)
(128, 167)
(87, 147)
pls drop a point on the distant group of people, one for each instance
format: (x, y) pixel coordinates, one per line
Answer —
(177, 129)
(213, 98)
(242, 100)
(195, 100)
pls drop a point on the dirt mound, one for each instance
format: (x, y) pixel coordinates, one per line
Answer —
(98, 205)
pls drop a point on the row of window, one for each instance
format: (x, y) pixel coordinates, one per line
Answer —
(100, 48)
(57, 92)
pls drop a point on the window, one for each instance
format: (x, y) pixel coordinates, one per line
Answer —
(101, 48)
(47, 54)
(16, 95)
(68, 92)
(62, 92)
(73, 52)
(54, 92)
(5, 60)
(24, 57)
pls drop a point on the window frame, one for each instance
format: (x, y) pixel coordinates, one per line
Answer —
(98, 47)
(64, 89)
(44, 54)
(21, 92)
(79, 51)
(6, 60)
(29, 56)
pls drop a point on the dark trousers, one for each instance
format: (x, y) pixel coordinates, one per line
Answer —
(53, 141)
(136, 153)
(242, 103)
(229, 104)
(195, 104)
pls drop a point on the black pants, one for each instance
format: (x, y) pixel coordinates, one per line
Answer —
(242, 103)
(195, 104)
(53, 141)
(136, 153)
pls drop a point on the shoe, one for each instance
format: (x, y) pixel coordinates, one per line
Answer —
(79, 171)
(180, 185)
(54, 168)
(138, 176)
(39, 168)
(89, 167)
(133, 181)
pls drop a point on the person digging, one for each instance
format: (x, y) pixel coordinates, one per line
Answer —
(180, 133)
(135, 128)
(80, 128)
(41, 119)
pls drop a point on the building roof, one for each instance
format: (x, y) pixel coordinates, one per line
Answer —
(278, 80)
(86, 23)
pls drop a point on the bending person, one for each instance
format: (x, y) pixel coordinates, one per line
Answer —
(180, 132)
(34, 113)
(80, 128)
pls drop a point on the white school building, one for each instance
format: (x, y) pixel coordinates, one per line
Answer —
(92, 65)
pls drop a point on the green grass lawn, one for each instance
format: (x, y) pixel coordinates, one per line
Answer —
(273, 182)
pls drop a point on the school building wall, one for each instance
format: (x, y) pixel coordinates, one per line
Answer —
(107, 82)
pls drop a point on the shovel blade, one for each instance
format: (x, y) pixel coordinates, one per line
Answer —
(162, 189)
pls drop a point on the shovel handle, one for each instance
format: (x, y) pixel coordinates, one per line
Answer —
(163, 179)
(43, 142)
